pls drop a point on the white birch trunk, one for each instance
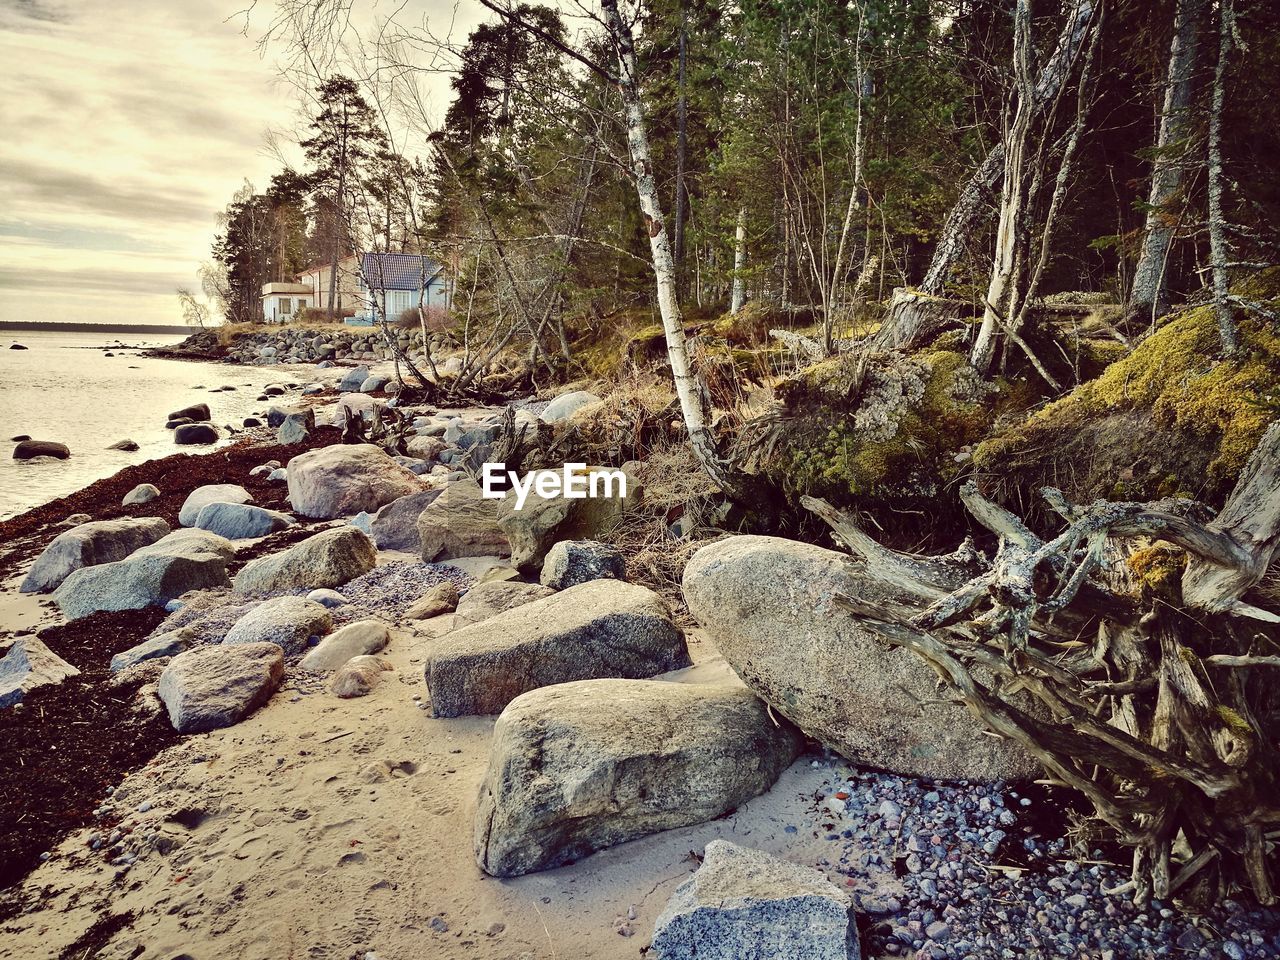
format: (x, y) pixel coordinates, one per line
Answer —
(1149, 295)
(1218, 249)
(739, 297)
(694, 405)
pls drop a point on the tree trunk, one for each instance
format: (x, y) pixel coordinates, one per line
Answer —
(1149, 296)
(694, 403)
(739, 295)
(1218, 250)
(681, 147)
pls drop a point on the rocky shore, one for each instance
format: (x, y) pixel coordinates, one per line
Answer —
(304, 697)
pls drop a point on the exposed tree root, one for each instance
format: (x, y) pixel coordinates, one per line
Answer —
(1154, 699)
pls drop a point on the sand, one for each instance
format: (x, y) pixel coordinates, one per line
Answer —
(327, 828)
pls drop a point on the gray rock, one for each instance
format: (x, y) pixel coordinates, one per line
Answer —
(742, 904)
(363, 521)
(128, 446)
(344, 479)
(565, 405)
(353, 378)
(89, 544)
(395, 526)
(276, 415)
(217, 686)
(374, 383)
(289, 622)
(327, 598)
(150, 576)
(29, 664)
(442, 598)
(195, 413)
(599, 629)
(189, 434)
(354, 640)
(768, 605)
(30, 449)
(460, 522)
(488, 599)
(582, 766)
(541, 522)
(571, 562)
(168, 644)
(240, 521)
(142, 493)
(313, 389)
(326, 559)
(296, 426)
(201, 497)
(358, 677)
(425, 448)
(278, 475)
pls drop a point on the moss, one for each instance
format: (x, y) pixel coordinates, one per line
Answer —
(1158, 568)
(1237, 724)
(1206, 414)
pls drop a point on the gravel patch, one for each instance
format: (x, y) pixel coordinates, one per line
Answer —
(533, 406)
(919, 859)
(389, 590)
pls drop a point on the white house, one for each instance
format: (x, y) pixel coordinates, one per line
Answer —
(280, 301)
(391, 283)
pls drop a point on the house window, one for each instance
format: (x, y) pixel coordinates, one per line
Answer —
(286, 305)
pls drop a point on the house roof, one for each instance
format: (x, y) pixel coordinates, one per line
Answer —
(397, 271)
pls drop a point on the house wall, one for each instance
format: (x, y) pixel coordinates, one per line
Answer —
(348, 298)
(273, 306)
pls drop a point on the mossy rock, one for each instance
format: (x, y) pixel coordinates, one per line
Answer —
(1172, 417)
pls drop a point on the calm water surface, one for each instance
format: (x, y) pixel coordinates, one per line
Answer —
(63, 388)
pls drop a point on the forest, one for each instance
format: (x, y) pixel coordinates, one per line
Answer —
(909, 272)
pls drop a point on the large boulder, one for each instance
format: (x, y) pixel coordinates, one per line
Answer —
(358, 405)
(571, 562)
(296, 426)
(354, 640)
(150, 576)
(425, 448)
(188, 434)
(353, 378)
(485, 600)
(461, 522)
(289, 622)
(743, 904)
(326, 559)
(240, 521)
(217, 686)
(599, 629)
(395, 525)
(567, 404)
(100, 541)
(142, 493)
(195, 413)
(29, 664)
(344, 479)
(168, 644)
(582, 766)
(201, 497)
(30, 449)
(534, 525)
(768, 605)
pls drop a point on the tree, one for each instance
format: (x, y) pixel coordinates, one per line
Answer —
(194, 313)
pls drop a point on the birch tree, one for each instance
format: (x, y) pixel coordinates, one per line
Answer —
(1218, 249)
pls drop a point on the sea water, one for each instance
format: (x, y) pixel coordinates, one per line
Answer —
(64, 388)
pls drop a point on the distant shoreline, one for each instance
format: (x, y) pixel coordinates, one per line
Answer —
(33, 326)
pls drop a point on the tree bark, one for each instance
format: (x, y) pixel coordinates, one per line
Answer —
(739, 296)
(1218, 248)
(1149, 296)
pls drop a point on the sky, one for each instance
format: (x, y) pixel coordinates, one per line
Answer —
(127, 126)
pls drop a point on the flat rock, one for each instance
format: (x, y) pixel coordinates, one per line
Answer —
(354, 640)
(345, 479)
(599, 629)
(168, 644)
(27, 665)
(768, 605)
(201, 497)
(492, 597)
(289, 622)
(89, 544)
(571, 562)
(217, 686)
(150, 576)
(128, 446)
(328, 598)
(395, 525)
(578, 767)
(743, 904)
(241, 521)
(142, 493)
(461, 522)
(326, 559)
(195, 413)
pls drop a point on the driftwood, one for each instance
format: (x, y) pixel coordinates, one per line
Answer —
(1155, 699)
